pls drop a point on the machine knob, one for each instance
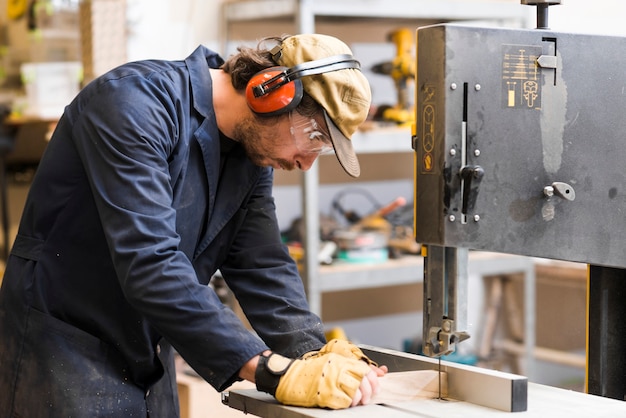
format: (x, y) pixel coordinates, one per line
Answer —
(560, 189)
(471, 176)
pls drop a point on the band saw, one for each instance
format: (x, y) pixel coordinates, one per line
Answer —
(519, 149)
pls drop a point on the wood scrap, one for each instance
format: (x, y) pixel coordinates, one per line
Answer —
(411, 385)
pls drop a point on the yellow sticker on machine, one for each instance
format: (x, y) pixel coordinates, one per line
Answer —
(428, 138)
(521, 77)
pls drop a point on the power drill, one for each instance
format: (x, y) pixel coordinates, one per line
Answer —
(402, 69)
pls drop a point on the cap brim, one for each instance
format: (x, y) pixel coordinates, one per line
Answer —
(343, 149)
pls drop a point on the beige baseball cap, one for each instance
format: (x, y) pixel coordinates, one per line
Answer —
(344, 94)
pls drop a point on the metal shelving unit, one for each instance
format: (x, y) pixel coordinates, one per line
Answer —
(304, 14)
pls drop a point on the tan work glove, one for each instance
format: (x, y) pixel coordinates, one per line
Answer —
(327, 381)
(343, 348)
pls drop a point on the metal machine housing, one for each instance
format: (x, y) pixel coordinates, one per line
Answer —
(520, 142)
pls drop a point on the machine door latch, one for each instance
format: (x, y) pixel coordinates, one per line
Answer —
(560, 189)
(547, 61)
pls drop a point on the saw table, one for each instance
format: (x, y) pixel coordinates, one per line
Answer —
(473, 393)
(544, 402)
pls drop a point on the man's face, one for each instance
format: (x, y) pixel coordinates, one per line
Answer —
(285, 142)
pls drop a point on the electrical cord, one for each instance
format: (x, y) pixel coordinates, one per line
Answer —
(350, 215)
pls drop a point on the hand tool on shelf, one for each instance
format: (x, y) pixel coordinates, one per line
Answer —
(402, 70)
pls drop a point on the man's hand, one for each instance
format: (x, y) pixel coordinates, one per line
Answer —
(347, 349)
(368, 388)
(344, 348)
(329, 380)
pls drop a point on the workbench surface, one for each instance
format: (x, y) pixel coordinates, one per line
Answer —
(543, 402)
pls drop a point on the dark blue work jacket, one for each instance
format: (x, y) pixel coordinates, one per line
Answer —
(128, 218)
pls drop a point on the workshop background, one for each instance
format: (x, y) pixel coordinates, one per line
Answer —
(50, 48)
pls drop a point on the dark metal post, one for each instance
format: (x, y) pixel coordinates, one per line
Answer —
(542, 10)
(542, 16)
(606, 358)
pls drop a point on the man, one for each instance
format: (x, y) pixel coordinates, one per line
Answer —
(158, 174)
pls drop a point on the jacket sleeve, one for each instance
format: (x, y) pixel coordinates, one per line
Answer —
(265, 280)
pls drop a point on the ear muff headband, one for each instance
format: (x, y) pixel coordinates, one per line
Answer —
(278, 89)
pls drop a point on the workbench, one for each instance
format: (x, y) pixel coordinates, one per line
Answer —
(473, 392)
(543, 402)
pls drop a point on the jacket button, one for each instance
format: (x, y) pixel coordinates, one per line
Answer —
(158, 349)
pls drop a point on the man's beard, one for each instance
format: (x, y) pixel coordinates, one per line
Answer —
(257, 136)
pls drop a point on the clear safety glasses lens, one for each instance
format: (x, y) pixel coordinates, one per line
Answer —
(309, 135)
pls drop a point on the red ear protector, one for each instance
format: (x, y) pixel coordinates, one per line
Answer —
(278, 90)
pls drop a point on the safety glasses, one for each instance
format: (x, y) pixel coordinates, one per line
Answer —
(309, 135)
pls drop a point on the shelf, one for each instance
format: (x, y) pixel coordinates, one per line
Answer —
(441, 10)
(410, 269)
(382, 140)
(346, 276)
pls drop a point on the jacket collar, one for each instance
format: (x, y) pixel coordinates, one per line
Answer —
(199, 63)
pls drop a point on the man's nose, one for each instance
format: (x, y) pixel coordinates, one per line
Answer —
(306, 162)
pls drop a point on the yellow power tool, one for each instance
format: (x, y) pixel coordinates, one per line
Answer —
(402, 70)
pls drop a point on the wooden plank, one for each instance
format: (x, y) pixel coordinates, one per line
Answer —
(544, 401)
(410, 386)
(546, 354)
